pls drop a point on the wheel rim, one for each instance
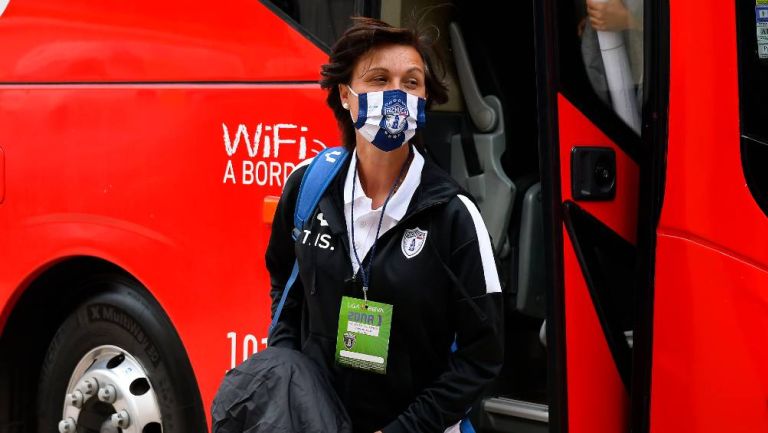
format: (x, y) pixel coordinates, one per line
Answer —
(109, 392)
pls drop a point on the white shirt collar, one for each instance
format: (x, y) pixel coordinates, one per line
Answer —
(400, 200)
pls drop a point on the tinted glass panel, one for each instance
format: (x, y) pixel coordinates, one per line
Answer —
(752, 24)
(325, 20)
(753, 67)
(601, 59)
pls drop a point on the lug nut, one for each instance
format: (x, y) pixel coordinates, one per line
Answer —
(107, 394)
(121, 419)
(67, 425)
(91, 387)
(75, 398)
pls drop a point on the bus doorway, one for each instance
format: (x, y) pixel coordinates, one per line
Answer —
(487, 137)
(551, 144)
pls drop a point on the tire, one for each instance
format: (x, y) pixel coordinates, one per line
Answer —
(120, 317)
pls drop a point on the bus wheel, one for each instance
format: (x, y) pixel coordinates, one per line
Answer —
(116, 365)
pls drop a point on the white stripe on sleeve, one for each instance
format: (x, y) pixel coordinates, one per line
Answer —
(492, 283)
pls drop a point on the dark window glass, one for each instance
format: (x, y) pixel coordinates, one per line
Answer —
(601, 58)
(323, 20)
(753, 67)
(752, 24)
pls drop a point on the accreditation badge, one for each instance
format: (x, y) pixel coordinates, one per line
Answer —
(362, 340)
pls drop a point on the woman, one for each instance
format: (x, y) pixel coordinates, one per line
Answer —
(405, 259)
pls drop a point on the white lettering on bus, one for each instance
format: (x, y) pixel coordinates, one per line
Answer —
(247, 172)
(261, 168)
(250, 345)
(261, 173)
(229, 173)
(3, 5)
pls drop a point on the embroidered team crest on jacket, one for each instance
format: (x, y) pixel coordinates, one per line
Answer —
(413, 241)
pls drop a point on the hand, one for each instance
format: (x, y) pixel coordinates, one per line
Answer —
(609, 16)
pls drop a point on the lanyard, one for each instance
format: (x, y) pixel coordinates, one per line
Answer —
(366, 273)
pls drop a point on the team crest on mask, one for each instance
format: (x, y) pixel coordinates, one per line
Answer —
(413, 242)
(395, 114)
(349, 340)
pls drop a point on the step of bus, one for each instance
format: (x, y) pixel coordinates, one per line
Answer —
(505, 415)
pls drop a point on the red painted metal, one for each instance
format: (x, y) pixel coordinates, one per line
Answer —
(710, 326)
(597, 399)
(2, 175)
(706, 192)
(146, 40)
(711, 290)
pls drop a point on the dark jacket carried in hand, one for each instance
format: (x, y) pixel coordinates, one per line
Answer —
(277, 391)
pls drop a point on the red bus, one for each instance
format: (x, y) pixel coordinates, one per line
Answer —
(143, 146)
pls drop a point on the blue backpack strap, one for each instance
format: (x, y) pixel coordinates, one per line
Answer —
(288, 284)
(318, 176)
(321, 171)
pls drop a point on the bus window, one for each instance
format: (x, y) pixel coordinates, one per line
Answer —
(609, 34)
(752, 41)
(322, 20)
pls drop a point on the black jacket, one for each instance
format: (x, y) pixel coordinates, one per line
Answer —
(438, 295)
(277, 391)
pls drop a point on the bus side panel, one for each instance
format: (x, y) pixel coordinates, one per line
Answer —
(168, 182)
(597, 398)
(711, 290)
(711, 326)
(706, 192)
(145, 40)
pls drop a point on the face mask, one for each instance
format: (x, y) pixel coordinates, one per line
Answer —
(389, 118)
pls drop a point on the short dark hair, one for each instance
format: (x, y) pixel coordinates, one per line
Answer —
(364, 35)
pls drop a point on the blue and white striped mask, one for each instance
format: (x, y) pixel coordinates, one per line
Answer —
(389, 118)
